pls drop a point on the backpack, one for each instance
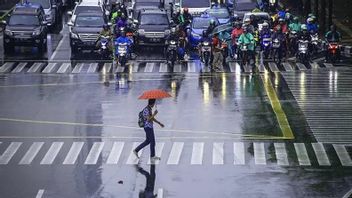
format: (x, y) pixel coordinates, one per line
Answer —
(141, 119)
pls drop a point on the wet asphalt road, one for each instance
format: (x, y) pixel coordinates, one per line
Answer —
(233, 134)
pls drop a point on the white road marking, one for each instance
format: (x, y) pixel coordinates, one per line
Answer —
(302, 154)
(40, 193)
(92, 68)
(281, 154)
(328, 65)
(160, 193)
(177, 68)
(259, 153)
(247, 68)
(197, 153)
(218, 153)
(35, 67)
(107, 68)
(135, 67)
(191, 67)
(163, 68)
(9, 152)
(115, 153)
(149, 67)
(94, 153)
(159, 146)
(52, 153)
(287, 66)
(343, 154)
(120, 69)
(31, 153)
(64, 68)
(19, 68)
(238, 150)
(321, 155)
(58, 47)
(6, 67)
(261, 68)
(273, 67)
(73, 153)
(301, 66)
(132, 159)
(314, 65)
(175, 154)
(78, 68)
(49, 68)
(233, 66)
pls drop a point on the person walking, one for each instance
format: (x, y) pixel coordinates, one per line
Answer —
(149, 119)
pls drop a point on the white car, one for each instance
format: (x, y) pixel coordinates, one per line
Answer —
(87, 6)
(195, 8)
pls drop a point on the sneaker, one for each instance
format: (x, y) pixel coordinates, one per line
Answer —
(155, 158)
(136, 153)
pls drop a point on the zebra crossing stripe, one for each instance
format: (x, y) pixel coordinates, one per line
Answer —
(6, 67)
(94, 153)
(9, 152)
(31, 153)
(343, 154)
(238, 150)
(259, 153)
(132, 159)
(287, 66)
(115, 153)
(247, 68)
(321, 155)
(158, 151)
(314, 65)
(106, 68)
(218, 153)
(52, 153)
(191, 67)
(35, 67)
(149, 67)
(120, 69)
(64, 68)
(163, 68)
(302, 154)
(261, 68)
(177, 68)
(19, 68)
(73, 153)
(49, 68)
(78, 68)
(92, 68)
(40, 193)
(175, 154)
(281, 154)
(301, 66)
(197, 153)
(273, 67)
(135, 67)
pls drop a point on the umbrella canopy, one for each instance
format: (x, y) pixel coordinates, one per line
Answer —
(154, 94)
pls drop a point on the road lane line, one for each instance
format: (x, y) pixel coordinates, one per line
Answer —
(58, 47)
(259, 153)
(177, 68)
(40, 193)
(273, 67)
(197, 153)
(115, 153)
(218, 153)
(302, 155)
(92, 68)
(301, 66)
(52, 153)
(6, 67)
(31, 153)
(163, 68)
(175, 154)
(78, 68)
(287, 66)
(120, 69)
(160, 193)
(281, 154)
(261, 68)
(149, 67)
(10, 152)
(238, 150)
(321, 155)
(19, 68)
(191, 67)
(106, 68)
(35, 67)
(49, 68)
(158, 152)
(73, 153)
(132, 159)
(343, 155)
(94, 153)
(64, 68)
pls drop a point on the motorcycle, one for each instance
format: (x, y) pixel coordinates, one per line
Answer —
(292, 39)
(333, 52)
(171, 55)
(205, 52)
(121, 53)
(303, 53)
(277, 52)
(104, 50)
(266, 43)
(245, 54)
(315, 42)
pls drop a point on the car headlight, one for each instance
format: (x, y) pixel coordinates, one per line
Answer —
(167, 32)
(36, 33)
(9, 32)
(74, 36)
(141, 31)
(194, 35)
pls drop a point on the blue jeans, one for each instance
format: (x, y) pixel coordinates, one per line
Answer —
(150, 139)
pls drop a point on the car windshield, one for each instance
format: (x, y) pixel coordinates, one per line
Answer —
(201, 23)
(85, 9)
(89, 21)
(44, 3)
(218, 13)
(195, 4)
(154, 19)
(26, 20)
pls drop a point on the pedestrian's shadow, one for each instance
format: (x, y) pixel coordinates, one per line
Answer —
(150, 182)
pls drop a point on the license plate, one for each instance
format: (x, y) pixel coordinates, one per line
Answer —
(155, 40)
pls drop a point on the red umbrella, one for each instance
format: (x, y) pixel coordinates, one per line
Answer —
(154, 94)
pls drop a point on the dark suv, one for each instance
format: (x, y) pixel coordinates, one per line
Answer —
(152, 27)
(50, 10)
(85, 31)
(26, 27)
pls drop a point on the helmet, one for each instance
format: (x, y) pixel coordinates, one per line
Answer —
(247, 20)
(295, 19)
(310, 20)
(204, 33)
(281, 20)
(237, 24)
(105, 26)
(185, 10)
(304, 27)
(178, 10)
(212, 22)
(265, 25)
(173, 30)
(245, 29)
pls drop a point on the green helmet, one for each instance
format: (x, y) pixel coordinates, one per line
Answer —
(304, 27)
(212, 22)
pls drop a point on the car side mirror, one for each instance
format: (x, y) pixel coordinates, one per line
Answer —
(135, 21)
(69, 13)
(3, 22)
(109, 24)
(54, 6)
(70, 23)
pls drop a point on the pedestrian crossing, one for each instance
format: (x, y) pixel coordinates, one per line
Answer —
(147, 67)
(176, 153)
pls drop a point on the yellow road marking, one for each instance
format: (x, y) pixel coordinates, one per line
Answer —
(275, 104)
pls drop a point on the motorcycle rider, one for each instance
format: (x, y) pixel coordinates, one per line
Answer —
(247, 38)
(283, 26)
(177, 16)
(171, 37)
(123, 39)
(106, 32)
(186, 17)
(205, 38)
(235, 34)
(312, 27)
(278, 34)
(253, 21)
(332, 36)
(249, 26)
(211, 27)
(304, 34)
(295, 25)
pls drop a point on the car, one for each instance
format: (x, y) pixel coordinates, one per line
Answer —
(26, 26)
(50, 9)
(222, 14)
(86, 6)
(197, 26)
(153, 27)
(143, 5)
(261, 17)
(85, 31)
(196, 8)
(242, 7)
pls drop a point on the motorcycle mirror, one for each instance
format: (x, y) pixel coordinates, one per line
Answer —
(109, 24)
(135, 21)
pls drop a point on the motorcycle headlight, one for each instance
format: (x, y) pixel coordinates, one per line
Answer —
(8, 32)
(74, 36)
(36, 33)
(141, 31)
